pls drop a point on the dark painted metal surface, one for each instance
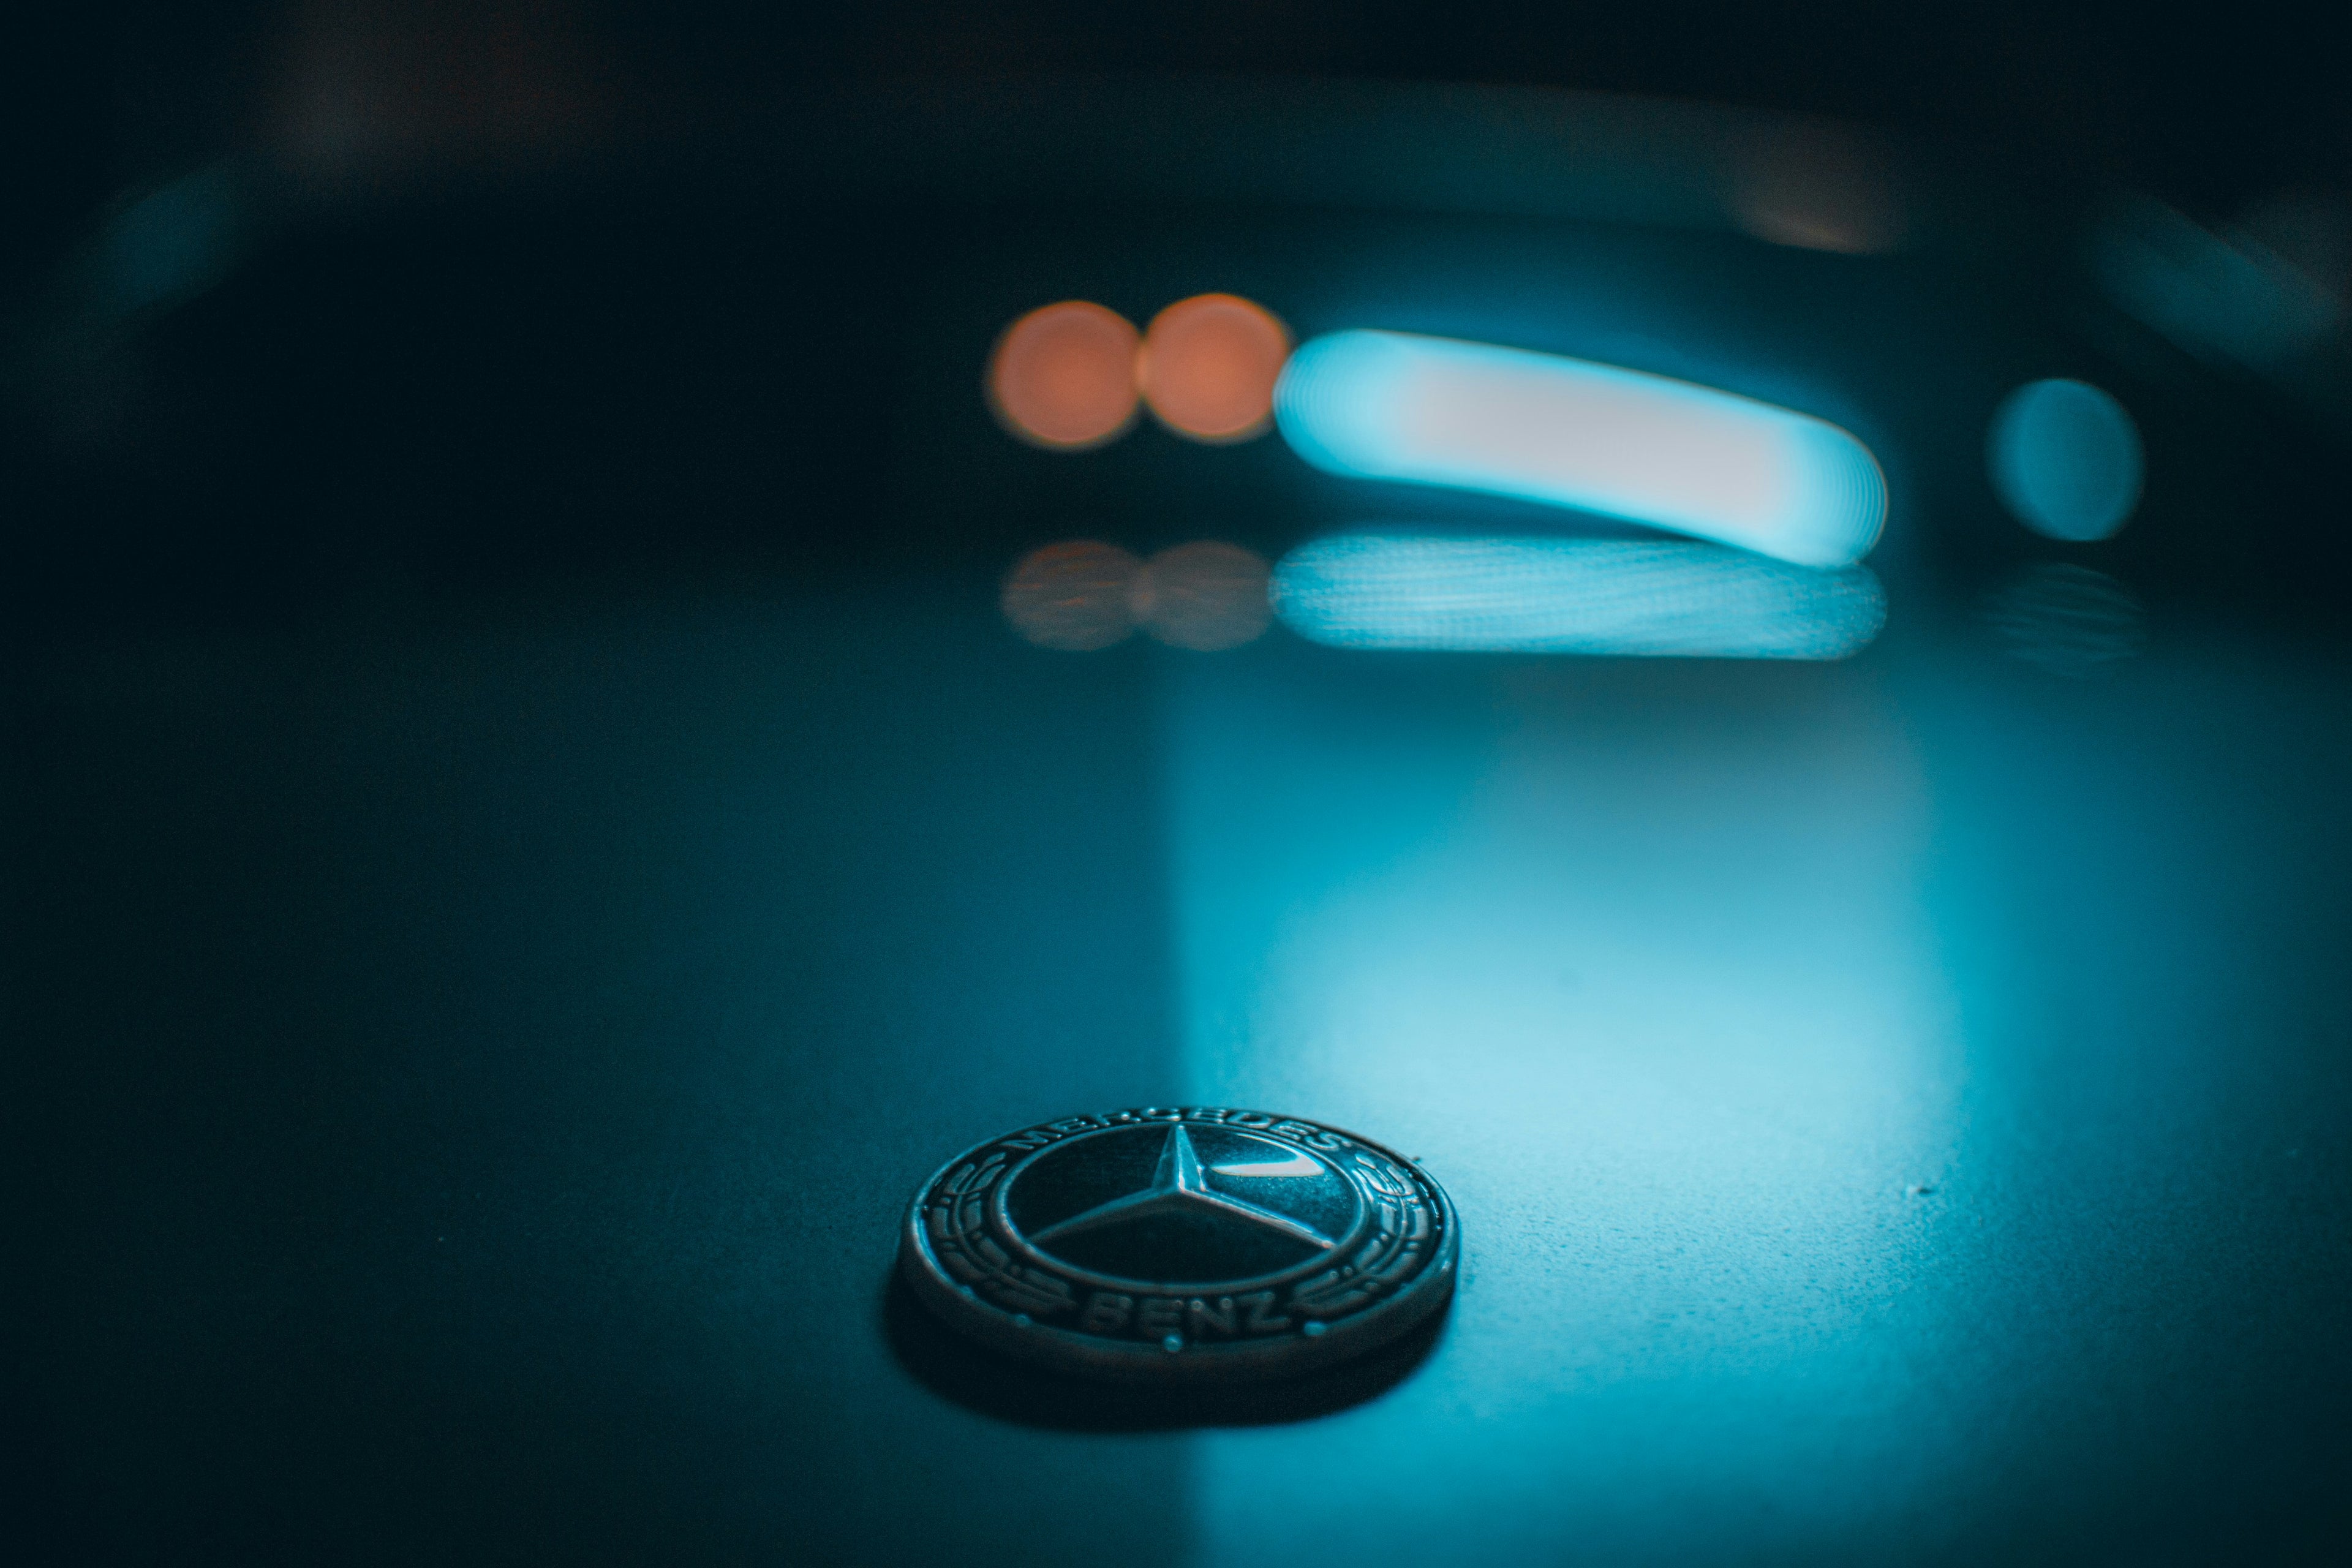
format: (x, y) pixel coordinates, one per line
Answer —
(467, 1080)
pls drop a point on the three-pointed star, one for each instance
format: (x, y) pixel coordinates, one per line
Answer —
(1176, 1186)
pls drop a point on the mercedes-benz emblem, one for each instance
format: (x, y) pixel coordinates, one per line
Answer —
(1178, 1244)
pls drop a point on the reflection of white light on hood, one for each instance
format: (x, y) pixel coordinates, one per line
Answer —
(1434, 411)
(1572, 595)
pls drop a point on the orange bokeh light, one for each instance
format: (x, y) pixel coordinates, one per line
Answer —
(1209, 364)
(1063, 376)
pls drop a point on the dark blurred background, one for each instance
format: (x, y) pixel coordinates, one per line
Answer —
(154, 154)
(2212, 110)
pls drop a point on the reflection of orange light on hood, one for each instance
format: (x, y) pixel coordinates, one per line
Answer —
(1075, 596)
(1209, 364)
(1063, 376)
(1204, 597)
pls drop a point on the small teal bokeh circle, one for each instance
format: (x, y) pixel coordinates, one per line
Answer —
(2066, 459)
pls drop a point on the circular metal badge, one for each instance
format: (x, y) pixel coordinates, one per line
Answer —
(1173, 1245)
